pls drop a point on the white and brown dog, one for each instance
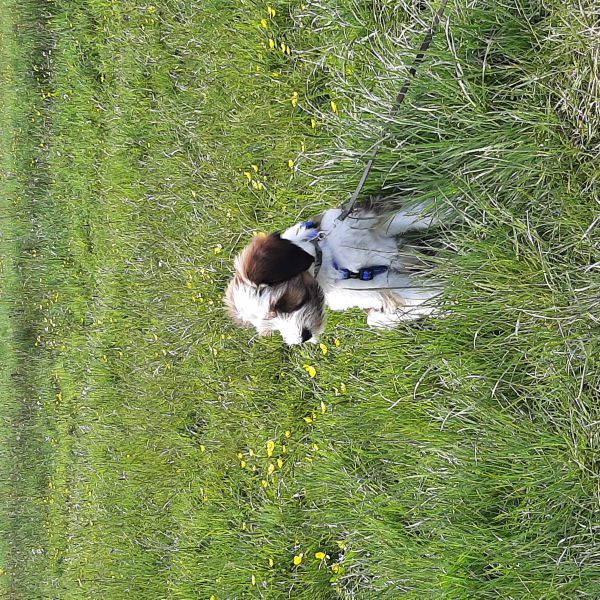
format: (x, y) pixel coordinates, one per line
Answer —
(282, 282)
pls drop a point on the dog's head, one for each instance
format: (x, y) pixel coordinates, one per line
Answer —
(272, 290)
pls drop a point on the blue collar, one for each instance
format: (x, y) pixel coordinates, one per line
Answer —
(364, 274)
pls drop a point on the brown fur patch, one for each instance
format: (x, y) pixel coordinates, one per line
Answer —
(272, 260)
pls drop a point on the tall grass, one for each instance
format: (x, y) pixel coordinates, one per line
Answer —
(151, 449)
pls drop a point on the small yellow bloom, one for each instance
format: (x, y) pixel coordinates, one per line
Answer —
(253, 580)
(298, 558)
(288, 433)
(334, 106)
(308, 419)
(264, 483)
(324, 348)
(295, 99)
(270, 448)
(202, 448)
(240, 455)
(243, 464)
(213, 598)
(341, 544)
(320, 555)
(271, 563)
(254, 168)
(310, 370)
(313, 123)
(323, 407)
(263, 23)
(271, 43)
(335, 568)
(279, 463)
(291, 163)
(337, 343)
(271, 11)
(270, 469)
(248, 175)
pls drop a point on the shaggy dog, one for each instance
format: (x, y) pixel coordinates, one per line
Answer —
(283, 281)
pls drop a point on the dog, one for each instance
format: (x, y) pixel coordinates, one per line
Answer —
(283, 281)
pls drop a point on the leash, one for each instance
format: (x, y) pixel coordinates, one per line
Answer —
(399, 100)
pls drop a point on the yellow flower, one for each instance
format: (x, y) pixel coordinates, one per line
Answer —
(341, 544)
(335, 568)
(248, 175)
(264, 23)
(271, 563)
(288, 433)
(334, 106)
(298, 558)
(279, 463)
(291, 163)
(253, 580)
(324, 348)
(313, 123)
(295, 99)
(310, 370)
(308, 419)
(271, 11)
(323, 407)
(254, 168)
(264, 483)
(270, 469)
(243, 464)
(337, 343)
(320, 555)
(270, 448)
(271, 43)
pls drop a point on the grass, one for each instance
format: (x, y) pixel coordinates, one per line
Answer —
(149, 449)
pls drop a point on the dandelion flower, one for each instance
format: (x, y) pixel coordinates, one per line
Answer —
(324, 348)
(298, 559)
(334, 106)
(271, 43)
(291, 163)
(270, 448)
(310, 370)
(320, 555)
(263, 23)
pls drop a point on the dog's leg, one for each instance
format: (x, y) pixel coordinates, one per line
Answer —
(414, 218)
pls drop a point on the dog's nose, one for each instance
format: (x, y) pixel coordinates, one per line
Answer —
(306, 334)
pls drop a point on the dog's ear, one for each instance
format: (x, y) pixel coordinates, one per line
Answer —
(272, 260)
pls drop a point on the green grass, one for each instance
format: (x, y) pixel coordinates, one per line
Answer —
(453, 458)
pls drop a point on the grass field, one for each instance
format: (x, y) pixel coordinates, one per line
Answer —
(149, 449)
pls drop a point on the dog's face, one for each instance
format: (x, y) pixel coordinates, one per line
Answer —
(272, 290)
